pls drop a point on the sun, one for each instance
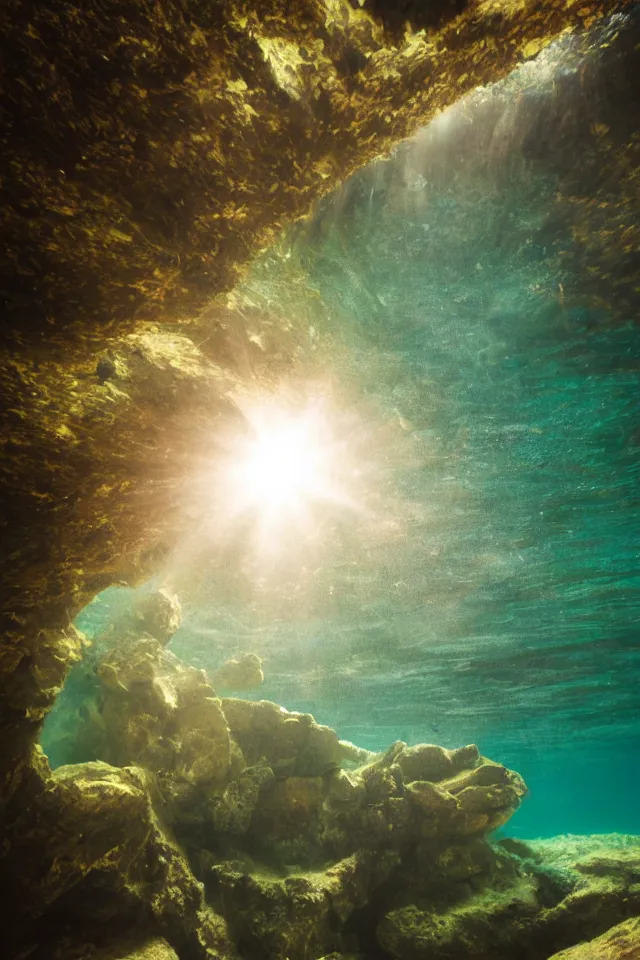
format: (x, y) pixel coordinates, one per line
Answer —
(285, 465)
(282, 463)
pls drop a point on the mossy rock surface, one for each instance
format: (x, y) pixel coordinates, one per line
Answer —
(620, 943)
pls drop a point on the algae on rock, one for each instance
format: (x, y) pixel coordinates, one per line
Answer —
(620, 943)
(292, 832)
(240, 827)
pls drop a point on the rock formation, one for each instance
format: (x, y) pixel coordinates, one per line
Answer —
(238, 827)
(148, 151)
(240, 673)
(524, 900)
(620, 943)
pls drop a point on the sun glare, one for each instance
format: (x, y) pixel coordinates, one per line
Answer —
(282, 463)
(284, 466)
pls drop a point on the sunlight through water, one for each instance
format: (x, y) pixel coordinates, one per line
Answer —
(284, 463)
(455, 518)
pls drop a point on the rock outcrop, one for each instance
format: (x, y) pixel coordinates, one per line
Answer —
(517, 899)
(243, 827)
(620, 943)
(241, 822)
(154, 949)
(240, 673)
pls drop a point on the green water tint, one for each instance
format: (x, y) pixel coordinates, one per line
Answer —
(496, 417)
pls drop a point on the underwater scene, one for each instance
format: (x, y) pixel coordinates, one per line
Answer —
(486, 585)
(430, 533)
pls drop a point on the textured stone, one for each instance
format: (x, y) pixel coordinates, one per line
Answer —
(291, 743)
(109, 861)
(162, 714)
(430, 798)
(620, 943)
(231, 812)
(287, 824)
(480, 929)
(469, 901)
(241, 673)
(158, 614)
(425, 762)
(287, 862)
(154, 949)
(598, 877)
(300, 915)
(292, 832)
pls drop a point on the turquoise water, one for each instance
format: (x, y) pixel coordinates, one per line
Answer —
(488, 590)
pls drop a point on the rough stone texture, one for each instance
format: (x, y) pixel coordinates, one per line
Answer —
(145, 707)
(155, 949)
(300, 915)
(230, 827)
(292, 743)
(240, 673)
(148, 151)
(109, 865)
(621, 943)
(604, 876)
(153, 415)
(256, 768)
(526, 900)
(158, 614)
(253, 801)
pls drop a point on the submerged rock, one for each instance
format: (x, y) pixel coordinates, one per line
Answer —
(242, 673)
(620, 943)
(428, 762)
(161, 714)
(300, 915)
(353, 756)
(158, 614)
(480, 902)
(134, 192)
(242, 826)
(292, 743)
(231, 812)
(154, 949)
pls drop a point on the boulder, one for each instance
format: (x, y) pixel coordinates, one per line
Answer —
(620, 943)
(241, 673)
(291, 743)
(159, 614)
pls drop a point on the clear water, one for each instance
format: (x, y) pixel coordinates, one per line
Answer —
(489, 589)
